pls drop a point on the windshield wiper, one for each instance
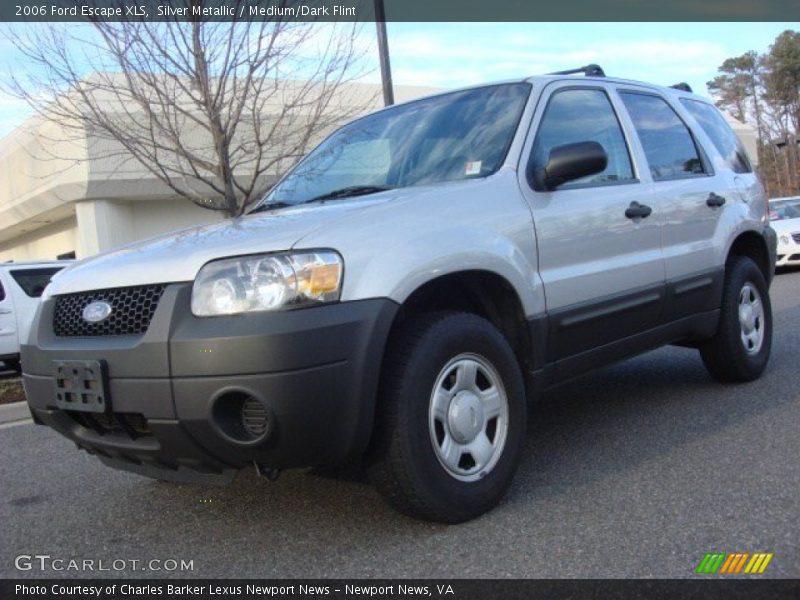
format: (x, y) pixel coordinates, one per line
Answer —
(269, 206)
(349, 192)
(345, 192)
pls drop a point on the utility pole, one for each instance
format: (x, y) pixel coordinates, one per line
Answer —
(383, 54)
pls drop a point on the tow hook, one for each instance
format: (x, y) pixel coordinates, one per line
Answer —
(268, 472)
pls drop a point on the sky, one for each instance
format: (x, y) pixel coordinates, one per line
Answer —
(449, 55)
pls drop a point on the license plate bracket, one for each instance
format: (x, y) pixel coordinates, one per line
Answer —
(82, 385)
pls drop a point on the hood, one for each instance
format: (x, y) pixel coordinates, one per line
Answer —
(178, 256)
(786, 226)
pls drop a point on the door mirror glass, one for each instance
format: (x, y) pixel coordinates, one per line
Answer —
(569, 162)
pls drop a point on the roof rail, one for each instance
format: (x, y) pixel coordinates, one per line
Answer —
(589, 70)
(683, 86)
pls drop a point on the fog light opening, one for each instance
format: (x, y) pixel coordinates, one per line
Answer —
(254, 417)
(241, 417)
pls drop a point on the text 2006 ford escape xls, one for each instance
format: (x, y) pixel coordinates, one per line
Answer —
(399, 294)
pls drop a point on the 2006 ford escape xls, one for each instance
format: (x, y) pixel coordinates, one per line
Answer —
(399, 294)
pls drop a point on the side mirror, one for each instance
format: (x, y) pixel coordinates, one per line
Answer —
(570, 162)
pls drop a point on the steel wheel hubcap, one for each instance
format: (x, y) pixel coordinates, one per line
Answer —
(468, 417)
(751, 318)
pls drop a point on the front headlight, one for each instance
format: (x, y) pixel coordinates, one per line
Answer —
(267, 282)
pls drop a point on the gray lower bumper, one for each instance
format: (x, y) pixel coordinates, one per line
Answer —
(316, 371)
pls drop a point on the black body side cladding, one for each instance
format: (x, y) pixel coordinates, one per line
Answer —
(587, 325)
(589, 335)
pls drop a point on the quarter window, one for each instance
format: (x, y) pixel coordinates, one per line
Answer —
(720, 133)
(667, 142)
(583, 115)
(33, 281)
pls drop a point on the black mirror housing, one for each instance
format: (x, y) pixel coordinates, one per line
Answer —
(570, 162)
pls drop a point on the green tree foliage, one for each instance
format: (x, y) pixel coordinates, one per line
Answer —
(735, 87)
(764, 90)
(782, 79)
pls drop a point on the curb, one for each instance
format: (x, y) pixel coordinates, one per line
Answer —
(16, 411)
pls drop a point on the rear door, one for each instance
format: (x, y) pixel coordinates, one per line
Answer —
(691, 197)
(8, 324)
(603, 271)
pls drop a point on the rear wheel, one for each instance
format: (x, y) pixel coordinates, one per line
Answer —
(451, 422)
(740, 349)
(14, 365)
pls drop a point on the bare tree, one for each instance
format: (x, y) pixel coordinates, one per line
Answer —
(214, 110)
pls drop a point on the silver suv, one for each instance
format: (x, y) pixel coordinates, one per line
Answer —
(399, 295)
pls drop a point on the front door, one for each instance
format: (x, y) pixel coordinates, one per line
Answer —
(601, 263)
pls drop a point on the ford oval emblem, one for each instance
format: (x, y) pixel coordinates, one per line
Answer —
(94, 312)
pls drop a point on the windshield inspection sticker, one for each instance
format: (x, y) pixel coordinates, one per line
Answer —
(473, 167)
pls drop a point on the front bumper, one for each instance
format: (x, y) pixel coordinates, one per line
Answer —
(788, 258)
(315, 370)
(788, 252)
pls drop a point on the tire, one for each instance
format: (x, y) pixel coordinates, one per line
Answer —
(413, 444)
(14, 365)
(727, 356)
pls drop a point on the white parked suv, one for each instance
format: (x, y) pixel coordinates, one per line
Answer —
(21, 285)
(402, 291)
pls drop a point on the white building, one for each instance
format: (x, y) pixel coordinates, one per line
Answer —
(52, 208)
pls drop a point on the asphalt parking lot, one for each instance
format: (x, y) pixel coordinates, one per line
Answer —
(637, 470)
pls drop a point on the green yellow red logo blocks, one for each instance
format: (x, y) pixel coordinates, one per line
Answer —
(734, 563)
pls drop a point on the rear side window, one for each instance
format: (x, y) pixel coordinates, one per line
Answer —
(2, 292)
(667, 142)
(33, 281)
(720, 133)
(583, 115)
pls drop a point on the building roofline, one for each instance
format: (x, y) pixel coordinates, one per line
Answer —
(36, 263)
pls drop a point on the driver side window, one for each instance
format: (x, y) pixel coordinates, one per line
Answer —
(583, 115)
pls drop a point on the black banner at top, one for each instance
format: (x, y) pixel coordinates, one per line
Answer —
(400, 10)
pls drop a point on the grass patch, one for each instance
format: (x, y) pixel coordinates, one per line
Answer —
(11, 391)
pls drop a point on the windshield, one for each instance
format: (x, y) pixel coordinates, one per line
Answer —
(454, 136)
(785, 209)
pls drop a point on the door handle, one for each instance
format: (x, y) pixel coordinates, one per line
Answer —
(715, 200)
(636, 210)
(5, 311)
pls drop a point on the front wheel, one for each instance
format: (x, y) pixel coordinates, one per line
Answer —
(451, 420)
(740, 349)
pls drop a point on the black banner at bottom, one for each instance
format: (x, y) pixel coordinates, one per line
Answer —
(364, 589)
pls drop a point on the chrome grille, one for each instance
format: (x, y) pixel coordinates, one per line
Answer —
(132, 309)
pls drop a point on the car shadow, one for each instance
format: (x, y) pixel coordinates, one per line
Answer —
(622, 417)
